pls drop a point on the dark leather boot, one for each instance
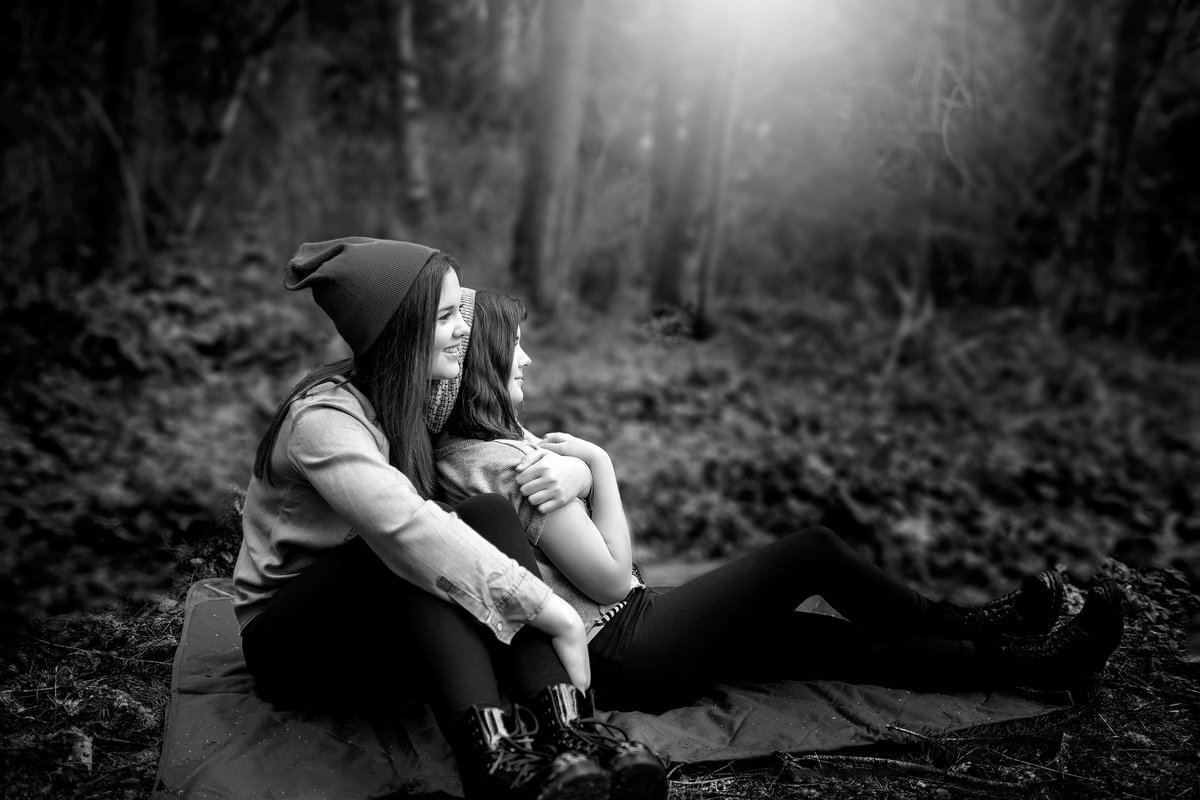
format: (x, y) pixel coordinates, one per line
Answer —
(498, 759)
(1029, 610)
(1070, 657)
(567, 722)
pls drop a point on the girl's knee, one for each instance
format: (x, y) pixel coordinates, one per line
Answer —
(817, 537)
(483, 506)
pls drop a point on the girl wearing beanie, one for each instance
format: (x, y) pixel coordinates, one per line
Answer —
(352, 586)
(653, 651)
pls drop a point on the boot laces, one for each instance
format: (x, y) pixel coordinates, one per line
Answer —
(516, 755)
(1000, 609)
(595, 736)
(1006, 610)
(998, 613)
(1050, 645)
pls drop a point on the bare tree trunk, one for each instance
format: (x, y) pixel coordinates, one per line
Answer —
(689, 130)
(502, 76)
(411, 146)
(492, 35)
(1138, 46)
(256, 52)
(1131, 52)
(143, 121)
(542, 252)
(713, 243)
(217, 158)
(664, 257)
(116, 115)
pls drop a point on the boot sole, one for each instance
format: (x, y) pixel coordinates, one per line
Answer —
(1080, 690)
(579, 782)
(641, 781)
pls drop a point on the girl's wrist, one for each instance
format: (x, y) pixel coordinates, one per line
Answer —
(596, 456)
(557, 618)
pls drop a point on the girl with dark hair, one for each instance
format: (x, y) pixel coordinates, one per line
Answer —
(353, 588)
(653, 651)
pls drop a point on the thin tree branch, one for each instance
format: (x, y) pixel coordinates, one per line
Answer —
(265, 38)
(133, 192)
(254, 52)
(105, 653)
(875, 764)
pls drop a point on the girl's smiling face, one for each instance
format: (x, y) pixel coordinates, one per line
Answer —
(516, 375)
(448, 332)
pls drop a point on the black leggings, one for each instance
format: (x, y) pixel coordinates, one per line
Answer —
(739, 622)
(348, 632)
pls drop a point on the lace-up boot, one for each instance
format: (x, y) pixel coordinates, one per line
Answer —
(568, 722)
(499, 759)
(1030, 609)
(1070, 657)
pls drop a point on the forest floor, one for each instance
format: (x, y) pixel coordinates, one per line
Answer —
(960, 458)
(84, 697)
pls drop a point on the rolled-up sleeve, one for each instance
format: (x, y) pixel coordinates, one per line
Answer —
(418, 540)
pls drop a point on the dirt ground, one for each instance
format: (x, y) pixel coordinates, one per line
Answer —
(81, 715)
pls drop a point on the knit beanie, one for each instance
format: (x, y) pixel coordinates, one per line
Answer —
(358, 282)
(443, 393)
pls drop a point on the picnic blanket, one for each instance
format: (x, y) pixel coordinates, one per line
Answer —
(222, 741)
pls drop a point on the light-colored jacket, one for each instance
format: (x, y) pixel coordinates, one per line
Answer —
(332, 482)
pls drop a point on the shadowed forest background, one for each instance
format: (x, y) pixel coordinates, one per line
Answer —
(924, 272)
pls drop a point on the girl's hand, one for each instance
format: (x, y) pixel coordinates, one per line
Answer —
(564, 627)
(550, 480)
(573, 653)
(567, 445)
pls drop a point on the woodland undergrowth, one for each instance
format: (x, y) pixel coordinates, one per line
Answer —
(977, 448)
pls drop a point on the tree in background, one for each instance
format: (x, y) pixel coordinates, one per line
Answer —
(253, 68)
(692, 124)
(410, 140)
(903, 156)
(498, 66)
(542, 245)
(1094, 224)
(880, 160)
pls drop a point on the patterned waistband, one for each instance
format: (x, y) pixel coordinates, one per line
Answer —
(612, 612)
(608, 615)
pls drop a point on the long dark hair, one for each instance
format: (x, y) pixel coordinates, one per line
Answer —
(393, 374)
(483, 409)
